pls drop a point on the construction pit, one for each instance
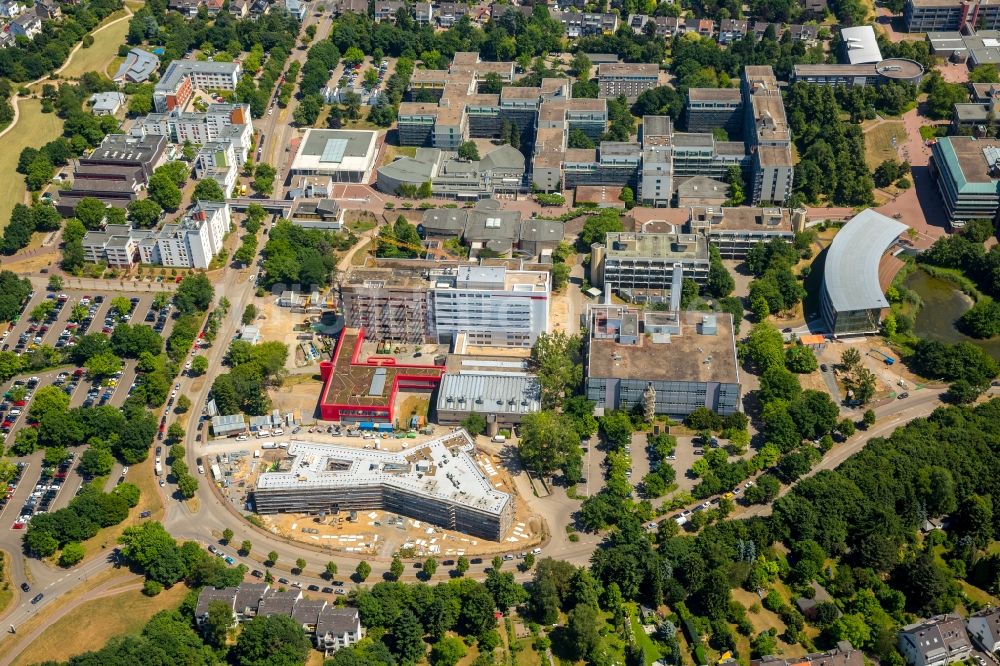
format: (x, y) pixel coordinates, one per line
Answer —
(377, 532)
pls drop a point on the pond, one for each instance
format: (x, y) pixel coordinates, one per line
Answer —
(943, 305)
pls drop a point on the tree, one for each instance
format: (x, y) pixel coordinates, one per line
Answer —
(103, 365)
(271, 641)
(363, 571)
(617, 429)
(183, 404)
(627, 196)
(199, 365)
(800, 359)
(475, 424)
(814, 413)
(850, 358)
(263, 182)
(557, 360)
(72, 554)
(208, 189)
(984, 74)
(187, 485)
(219, 622)
(430, 566)
(846, 428)
(582, 627)
(447, 651)
(396, 568)
(91, 212)
(720, 282)
(331, 569)
(868, 419)
(194, 294)
(468, 151)
(777, 383)
(249, 314)
(462, 565)
(272, 558)
(227, 536)
(164, 192)
(48, 399)
(96, 461)
(245, 547)
(548, 442)
(406, 638)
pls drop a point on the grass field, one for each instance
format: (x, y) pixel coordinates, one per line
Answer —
(107, 39)
(6, 590)
(878, 142)
(90, 625)
(33, 128)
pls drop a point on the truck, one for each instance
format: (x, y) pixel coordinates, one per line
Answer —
(885, 358)
(159, 469)
(268, 445)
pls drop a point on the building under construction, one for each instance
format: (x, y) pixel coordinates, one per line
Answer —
(437, 481)
(492, 305)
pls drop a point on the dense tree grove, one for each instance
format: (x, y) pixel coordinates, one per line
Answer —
(294, 255)
(832, 152)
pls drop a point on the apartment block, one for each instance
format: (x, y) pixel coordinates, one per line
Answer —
(734, 230)
(941, 15)
(768, 139)
(629, 79)
(117, 245)
(669, 362)
(183, 77)
(217, 160)
(437, 481)
(711, 108)
(191, 243)
(936, 641)
(585, 24)
(219, 122)
(491, 305)
(642, 267)
(330, 627)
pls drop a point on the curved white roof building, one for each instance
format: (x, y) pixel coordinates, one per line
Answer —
(852, 299)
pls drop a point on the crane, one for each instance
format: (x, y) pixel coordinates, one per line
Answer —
(419, 249)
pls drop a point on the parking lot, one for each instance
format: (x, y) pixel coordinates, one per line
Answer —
(63, 319)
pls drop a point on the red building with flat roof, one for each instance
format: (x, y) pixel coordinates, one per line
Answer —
(365, 390)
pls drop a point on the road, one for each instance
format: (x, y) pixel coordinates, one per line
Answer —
(888, 417)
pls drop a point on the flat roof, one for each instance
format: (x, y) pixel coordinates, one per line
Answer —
(335, 150)
(628, 69)
(850, 275)
(632, 245)
(963, 160)
(442, 468)
(688, 356)
(495, 392)
(351, 378)
(741, 218)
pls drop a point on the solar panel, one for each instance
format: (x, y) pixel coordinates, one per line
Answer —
(334, 150)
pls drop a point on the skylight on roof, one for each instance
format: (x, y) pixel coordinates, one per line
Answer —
(334, 151)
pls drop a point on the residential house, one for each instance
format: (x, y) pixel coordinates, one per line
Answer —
(385, 10)
(350, 6)
(804, 33)
(936, 641)
(187, 7)
(214, 7)
(322, 214)
(106, 103)
(732, 30)
(337, 628)
(296, 8)
(239, 8)
(48, 10)
(448, 13)
(984, 628)
(26, 25)
(423, 13)
(259, 8)
(11, 9)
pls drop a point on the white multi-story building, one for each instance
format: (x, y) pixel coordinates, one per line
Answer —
(219, 122)
(193, 242)
(116, 245)
(184, 76)
(490, 305)
(217, 160)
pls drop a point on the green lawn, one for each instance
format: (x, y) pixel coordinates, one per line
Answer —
(107, 39)
(649, 647)
(33, 128)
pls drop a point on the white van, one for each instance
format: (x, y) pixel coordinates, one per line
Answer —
(278, 433)
(268, 445)
(263, 433)
(499, 439)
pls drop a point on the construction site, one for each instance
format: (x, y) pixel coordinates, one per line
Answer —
(435, 495)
